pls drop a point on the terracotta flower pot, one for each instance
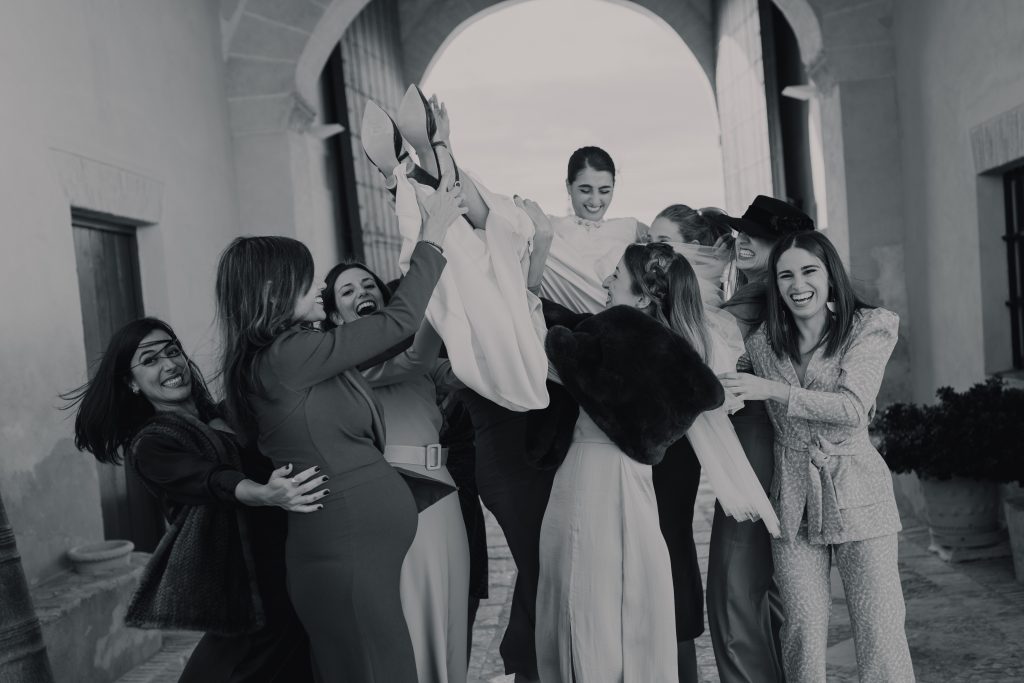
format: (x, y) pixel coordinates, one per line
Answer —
(962, 513)
(99, 558)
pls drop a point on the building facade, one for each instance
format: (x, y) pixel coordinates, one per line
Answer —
(140, 137)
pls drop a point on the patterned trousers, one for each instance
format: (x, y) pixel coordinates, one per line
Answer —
(871, 581)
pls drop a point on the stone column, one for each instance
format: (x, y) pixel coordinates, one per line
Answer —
(22, 651)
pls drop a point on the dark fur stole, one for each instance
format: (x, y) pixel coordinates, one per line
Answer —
(641, 383)
(202, 576)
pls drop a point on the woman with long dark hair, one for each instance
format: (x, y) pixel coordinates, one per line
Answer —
(819, 361)
(298, 393)
(148, 406)
(435, 573)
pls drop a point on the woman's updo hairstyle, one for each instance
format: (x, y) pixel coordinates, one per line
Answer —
(668, 280)
(593, 157)
(696, 225)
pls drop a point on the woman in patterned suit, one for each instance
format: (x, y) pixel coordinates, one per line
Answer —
(819, 360)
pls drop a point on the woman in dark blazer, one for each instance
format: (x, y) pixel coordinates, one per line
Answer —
(298, 392)
(147, 405)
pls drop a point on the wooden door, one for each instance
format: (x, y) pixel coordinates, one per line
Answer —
(111, 295)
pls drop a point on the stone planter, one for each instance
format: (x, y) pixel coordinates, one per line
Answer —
(1014, 508)
(963, 519)
(99, 558)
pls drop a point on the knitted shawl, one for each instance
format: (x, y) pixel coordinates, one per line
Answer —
(201, 577)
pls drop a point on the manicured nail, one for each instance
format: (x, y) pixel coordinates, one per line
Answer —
(316, 469)
(326, 491)
(319, 507)
(325, 478)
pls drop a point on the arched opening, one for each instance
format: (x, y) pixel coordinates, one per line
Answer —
(393, 42)
(529, 82)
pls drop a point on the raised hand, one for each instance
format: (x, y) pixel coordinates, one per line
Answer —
(441, 209)
(440, 112)
(723, 247)
(541, 222)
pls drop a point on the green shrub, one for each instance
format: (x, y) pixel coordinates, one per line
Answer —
(977, 433)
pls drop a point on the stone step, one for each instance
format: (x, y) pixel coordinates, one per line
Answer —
(82, 619)
(167, 664)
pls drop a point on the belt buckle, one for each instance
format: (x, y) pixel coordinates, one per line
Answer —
(433, 459)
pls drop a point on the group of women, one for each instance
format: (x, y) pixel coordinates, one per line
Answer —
(603, 369)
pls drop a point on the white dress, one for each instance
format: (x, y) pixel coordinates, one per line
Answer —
(605, 608)
(584, 253)
(491, 324)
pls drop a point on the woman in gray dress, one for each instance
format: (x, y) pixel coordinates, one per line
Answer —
(297, 391)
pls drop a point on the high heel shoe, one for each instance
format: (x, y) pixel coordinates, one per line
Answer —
(417, 124)
(416, 119)
(382, 143)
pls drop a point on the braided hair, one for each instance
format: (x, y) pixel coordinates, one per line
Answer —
(668, 280)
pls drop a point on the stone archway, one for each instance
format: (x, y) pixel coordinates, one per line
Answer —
(275, 51)
(433, 24)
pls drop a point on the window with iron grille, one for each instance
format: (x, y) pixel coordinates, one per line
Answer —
(1013, 183)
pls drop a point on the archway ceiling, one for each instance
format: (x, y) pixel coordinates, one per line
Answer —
(274, 50)
(425, 25)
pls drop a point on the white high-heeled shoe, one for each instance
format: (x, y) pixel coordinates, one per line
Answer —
(416, 119)
(382, 143)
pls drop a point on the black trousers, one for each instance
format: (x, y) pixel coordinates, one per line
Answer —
(517, 494)
(676, 480)
(744, 607)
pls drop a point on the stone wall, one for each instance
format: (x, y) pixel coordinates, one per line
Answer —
(742, 107)
(961, 88)
(118, 108)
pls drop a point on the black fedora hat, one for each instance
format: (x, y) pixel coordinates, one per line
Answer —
(770, 218)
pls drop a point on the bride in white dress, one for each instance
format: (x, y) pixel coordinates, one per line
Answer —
(585, 246)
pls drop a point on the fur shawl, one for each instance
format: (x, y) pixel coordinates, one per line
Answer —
(641, 383)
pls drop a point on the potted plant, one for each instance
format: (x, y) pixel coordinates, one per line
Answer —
(960, 448)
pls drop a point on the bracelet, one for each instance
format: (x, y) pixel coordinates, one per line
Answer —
(439, 143)
(435, 245)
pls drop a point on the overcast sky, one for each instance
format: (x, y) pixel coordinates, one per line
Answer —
(528, 83)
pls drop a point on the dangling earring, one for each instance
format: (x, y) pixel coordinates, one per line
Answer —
(830, 303)
(135, 389)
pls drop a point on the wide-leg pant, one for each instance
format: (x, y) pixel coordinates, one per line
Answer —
(871, 580)
(517, 494)
(435, 588)
(744, 608)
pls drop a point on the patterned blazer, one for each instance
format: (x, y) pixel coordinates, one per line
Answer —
(824, 460)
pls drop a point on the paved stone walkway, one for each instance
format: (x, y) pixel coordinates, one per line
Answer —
(965, 622)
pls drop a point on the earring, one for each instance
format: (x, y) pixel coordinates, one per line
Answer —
(135, 389)
(830, 303)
